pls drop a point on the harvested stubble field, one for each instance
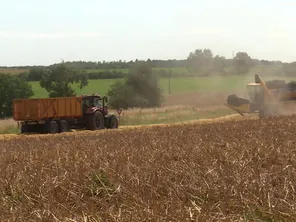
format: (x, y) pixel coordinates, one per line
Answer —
(227, 171)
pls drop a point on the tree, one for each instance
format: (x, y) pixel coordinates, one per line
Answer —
(56, 80)
(139, 89)
(11, 88)
(123, 96)
(200, 61)
(35, 74)
(242, 63)
(219, 63)
(145, 84)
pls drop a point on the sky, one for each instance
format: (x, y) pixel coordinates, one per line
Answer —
(35, 32)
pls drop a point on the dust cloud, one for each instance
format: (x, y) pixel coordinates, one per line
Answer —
(214, 93)
(219, 87)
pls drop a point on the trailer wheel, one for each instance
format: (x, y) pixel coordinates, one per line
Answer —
(95, 121)
(63, 126)
(24, 128)
(113, 122)
(52, 127)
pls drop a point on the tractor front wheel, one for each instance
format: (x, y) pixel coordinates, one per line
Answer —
(113, 122)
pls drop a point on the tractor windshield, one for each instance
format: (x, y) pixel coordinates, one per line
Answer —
(92, 102)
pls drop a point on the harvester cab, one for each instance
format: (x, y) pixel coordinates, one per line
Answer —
(255, 93)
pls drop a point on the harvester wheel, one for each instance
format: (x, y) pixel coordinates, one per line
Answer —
(63, 126)
(261, 114)
(268, 111)
(113, 122)
(95, 121)
(52, 127)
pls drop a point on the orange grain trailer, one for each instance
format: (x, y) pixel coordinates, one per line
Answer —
(56, 115)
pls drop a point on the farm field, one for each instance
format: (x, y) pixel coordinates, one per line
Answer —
(178, 85)
(191, 98)
(12, 70)
(226, 170)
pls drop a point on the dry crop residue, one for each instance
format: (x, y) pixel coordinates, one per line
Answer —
(200, 121)
(230, 170)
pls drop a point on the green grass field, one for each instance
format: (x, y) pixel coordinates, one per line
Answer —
(178, 85)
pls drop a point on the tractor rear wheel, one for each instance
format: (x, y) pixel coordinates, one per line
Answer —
(51, 127)
(95, 121)
(63, 126)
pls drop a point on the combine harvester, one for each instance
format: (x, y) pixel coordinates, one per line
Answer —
(56, 115)
(273, 98)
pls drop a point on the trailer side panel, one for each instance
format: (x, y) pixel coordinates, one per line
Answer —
(47, 108)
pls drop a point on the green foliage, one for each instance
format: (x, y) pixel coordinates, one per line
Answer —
(219, 63)
(23, 75)
(203, 63)
(35, 74)
(123, 96)
(100, 184)
(199, 61)
(140, 89)
(118, 94)
(57, 80)
(88, 65)
(145, 84)
(106, 75)
(242, 63)
(11, 88)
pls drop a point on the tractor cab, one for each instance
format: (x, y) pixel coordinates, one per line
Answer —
(93, 103)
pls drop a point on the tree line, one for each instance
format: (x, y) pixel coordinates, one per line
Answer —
(35, 74)
(200, 62)
(171, 63)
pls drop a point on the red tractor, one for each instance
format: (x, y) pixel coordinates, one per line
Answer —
(95, 113)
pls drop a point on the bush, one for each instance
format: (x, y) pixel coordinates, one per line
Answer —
(12, 87)
(140, 89)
